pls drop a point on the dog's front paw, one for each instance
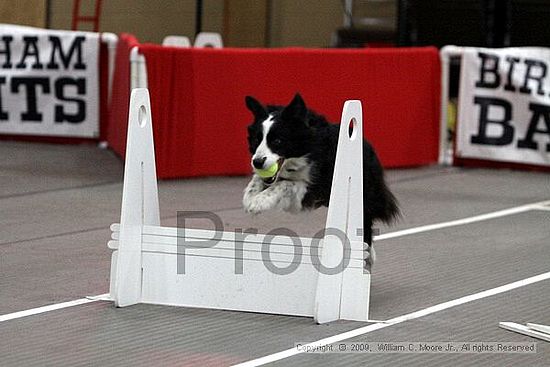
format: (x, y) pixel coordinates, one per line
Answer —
(253, 209)
(256, 205)
(251, 195)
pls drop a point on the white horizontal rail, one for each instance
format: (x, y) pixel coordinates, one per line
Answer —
(230, 253)
(178, 242)
(169, 235)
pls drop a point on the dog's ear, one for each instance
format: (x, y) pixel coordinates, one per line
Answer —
(256, 108)
(296, 110)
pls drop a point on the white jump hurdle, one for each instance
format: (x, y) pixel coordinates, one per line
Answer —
(145, 257)
(176, 41)
(208, 39)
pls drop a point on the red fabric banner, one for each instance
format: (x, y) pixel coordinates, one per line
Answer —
(200, 119)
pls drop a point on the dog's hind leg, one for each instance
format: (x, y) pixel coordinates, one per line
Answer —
(370, 254)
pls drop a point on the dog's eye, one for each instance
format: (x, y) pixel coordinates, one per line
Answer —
(276, 142)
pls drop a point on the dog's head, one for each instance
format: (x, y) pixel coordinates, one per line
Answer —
(278, 132)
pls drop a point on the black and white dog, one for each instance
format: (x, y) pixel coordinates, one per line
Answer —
(303, 144)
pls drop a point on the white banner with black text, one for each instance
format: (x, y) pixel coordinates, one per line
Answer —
(49, 82)
(504, 105)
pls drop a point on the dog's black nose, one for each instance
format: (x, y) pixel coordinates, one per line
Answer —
(258, 162)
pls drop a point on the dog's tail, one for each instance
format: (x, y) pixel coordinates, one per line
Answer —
(389, 211)
(378, 200)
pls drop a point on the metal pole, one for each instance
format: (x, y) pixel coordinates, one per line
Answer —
(403, 26)
(198, 17)
(48, 14)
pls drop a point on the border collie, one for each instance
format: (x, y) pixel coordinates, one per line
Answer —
(303, 143)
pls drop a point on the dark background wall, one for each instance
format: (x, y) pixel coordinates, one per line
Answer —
(489, 23)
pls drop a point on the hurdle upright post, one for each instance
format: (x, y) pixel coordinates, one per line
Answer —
(140, 204)
(345, 217)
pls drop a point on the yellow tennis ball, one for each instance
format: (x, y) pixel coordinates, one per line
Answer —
(268, 172)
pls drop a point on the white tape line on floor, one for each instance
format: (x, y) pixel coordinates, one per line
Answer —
(405, 232)
(396, 320)
(56, 306)
(541, 207)
(463, 221)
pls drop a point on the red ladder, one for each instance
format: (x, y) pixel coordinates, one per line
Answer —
(77, 18)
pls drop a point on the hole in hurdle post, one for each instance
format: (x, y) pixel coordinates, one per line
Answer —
(352, 131)
(142, 116)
